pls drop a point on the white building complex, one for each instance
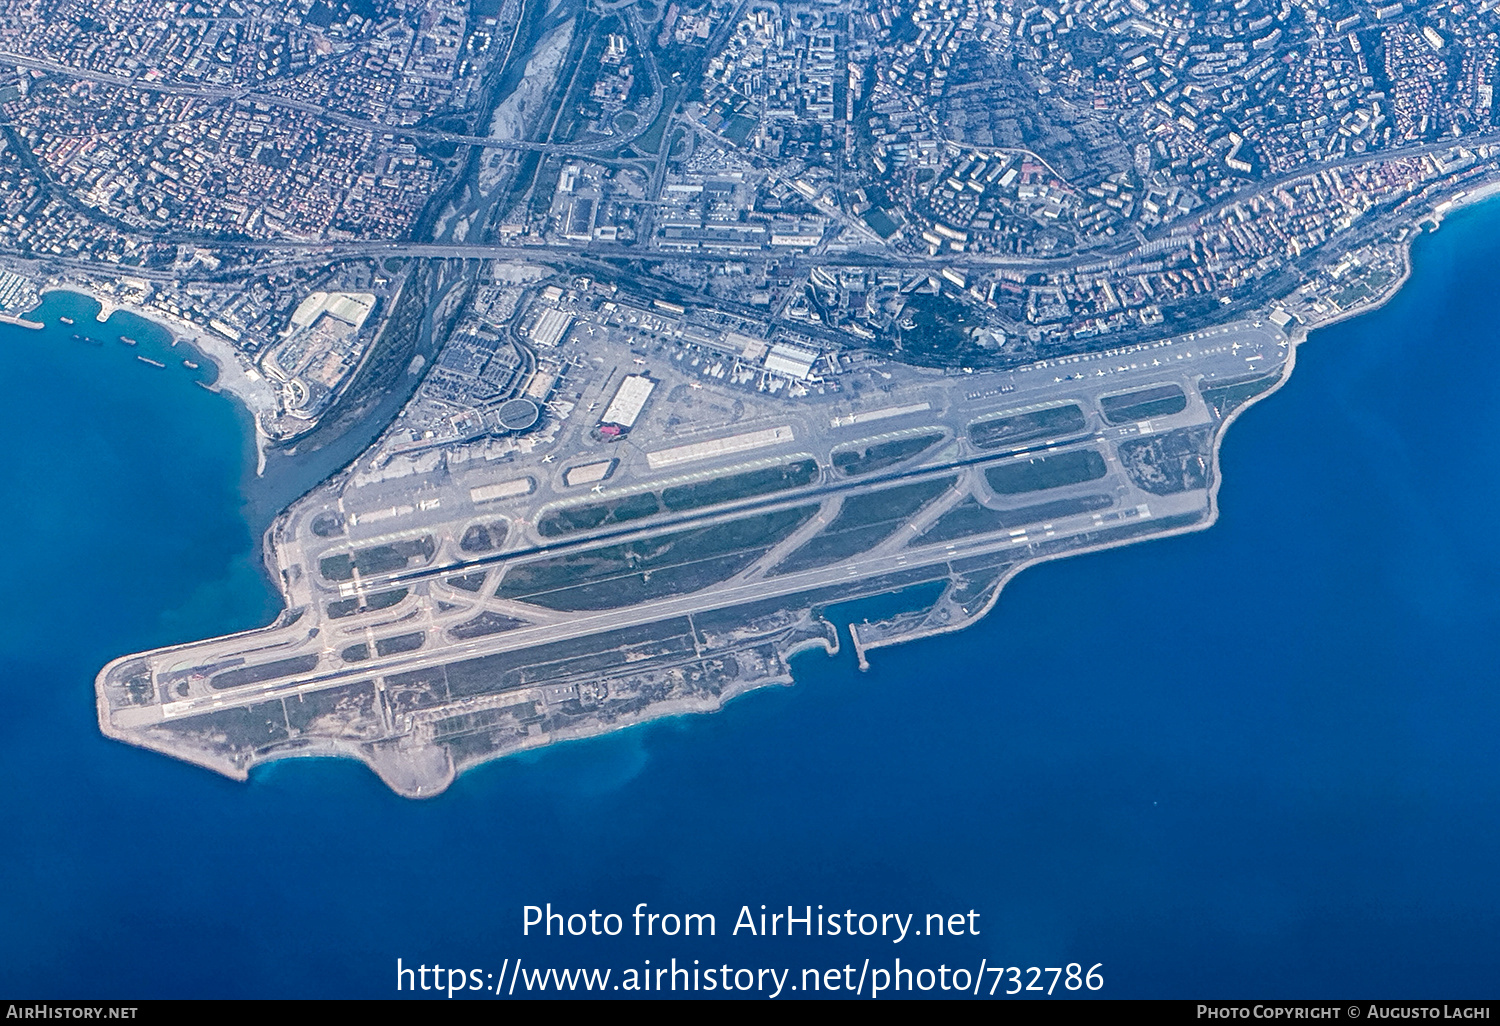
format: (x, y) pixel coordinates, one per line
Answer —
(630, 398)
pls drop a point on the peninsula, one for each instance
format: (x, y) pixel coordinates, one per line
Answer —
(627, 340)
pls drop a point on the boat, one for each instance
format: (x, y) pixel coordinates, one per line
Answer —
(147, 359)
(66, 320)
(127, 341)
(189, 364)
(85, 338)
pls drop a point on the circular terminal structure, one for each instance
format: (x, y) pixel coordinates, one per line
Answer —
(518, 414)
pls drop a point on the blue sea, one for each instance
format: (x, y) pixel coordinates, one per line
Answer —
(1257, 761)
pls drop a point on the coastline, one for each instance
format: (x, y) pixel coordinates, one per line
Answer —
(402, 774)
(1464, 198)
(237, 377)
(1299, 335)
(415, 774)
(862, 646)
(1436, 216)
(1251, 720)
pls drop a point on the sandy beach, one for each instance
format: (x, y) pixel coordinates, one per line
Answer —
(237, 376)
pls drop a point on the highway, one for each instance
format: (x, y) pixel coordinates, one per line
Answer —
(875, 256)
(246, 94)
(977, 262)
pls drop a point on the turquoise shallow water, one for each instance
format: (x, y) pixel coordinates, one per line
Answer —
(1254, 761)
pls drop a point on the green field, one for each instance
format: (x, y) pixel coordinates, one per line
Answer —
(350, 606)
(881, 455)
(649, 568)
(1159, 401)
(738, 129)
(379, 559)
(468, 582)
(1065, 468)
(679, 498)
(1225, 397)
(484, 537)
(400, 643)
(1027, 427)
(485, 623)
(880, 222)
(649, 141)
(863, 522)
(740, 486)
(569, 519)
(1177, 461)
(263, 672)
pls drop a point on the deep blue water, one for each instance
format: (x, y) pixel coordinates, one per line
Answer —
(1255, 761)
